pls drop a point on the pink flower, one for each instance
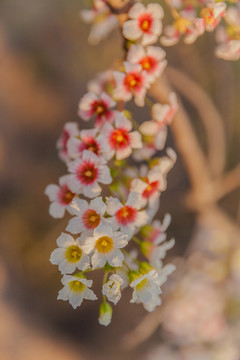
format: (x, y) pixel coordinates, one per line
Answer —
(69, 129)
(150, 186)
(121, 140)
(229, 50)
(212, 15)
(98, 106)
(151, 59)
(87, 216)
(87, 173)
(87, 140)
(145, 23)
(60, 196)
(127, 217)
(131, 83)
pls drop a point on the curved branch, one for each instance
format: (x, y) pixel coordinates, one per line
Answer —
(210, 116)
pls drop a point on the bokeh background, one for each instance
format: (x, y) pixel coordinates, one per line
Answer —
(45, 64)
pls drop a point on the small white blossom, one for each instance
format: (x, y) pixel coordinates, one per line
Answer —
(112, 288)
(75, 290)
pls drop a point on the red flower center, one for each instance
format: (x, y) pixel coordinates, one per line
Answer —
(148, 63)
(87, 173)
(126, 215)
(119, 138)
(132, 81)
(145, 22)
(91, 219)
(99, 108)
(65, 195)
(150, 189)
(89, 143)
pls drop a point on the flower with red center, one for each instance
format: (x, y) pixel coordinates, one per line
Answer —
(151, 60)
(145, 23)
(98, 106)
(131, 83)
(212, 15)
(69, 129)
(127, 217)
(87, 140)
(87, 216)
(121, 140)
(60, 196)
(188, 26)
(105, 246)
(150, 186)
(87, 173)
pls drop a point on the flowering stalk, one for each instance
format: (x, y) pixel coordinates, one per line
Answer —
(113, 202)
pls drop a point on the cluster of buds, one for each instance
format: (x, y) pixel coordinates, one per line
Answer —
(111, 201)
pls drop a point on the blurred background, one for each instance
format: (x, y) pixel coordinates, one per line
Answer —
(45, 64)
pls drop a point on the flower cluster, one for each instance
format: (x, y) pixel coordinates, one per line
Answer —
(112, 203)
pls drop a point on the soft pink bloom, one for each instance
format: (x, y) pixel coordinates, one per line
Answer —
(229, 50)
(99, 106)
(131, 83)
(212, 14)
(90, 140)
(151, 60)
(60, 196)
(145, 23)
(69, 129)
(129, 216)
(150, 186)
(121, 140)
(87, 172)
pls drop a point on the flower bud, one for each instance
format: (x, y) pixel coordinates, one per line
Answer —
(105, 314)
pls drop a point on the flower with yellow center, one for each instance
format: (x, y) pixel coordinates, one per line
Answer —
(112, 288)
(105, 246)
(69, 255)
(146, 289)
(76, 288)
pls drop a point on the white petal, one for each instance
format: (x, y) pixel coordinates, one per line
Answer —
(131, 30)
(123, 153)
(135, 54)
(149, 128)
(120, 240)
(92, 190)
(79, 206)
(75, 299)
(63, 294)
(89, 294)
(75, 225)
(156, 10)
(105, 175)
(66, 267)
(122, 122)
(57, 256)
(65, 240)
(115, 258)
(98, 260)
(113, 205)
(56, 210)
(52, 191)
(136, 140)
(88, 245)
(84, 263)
(98, 205)
(103, 230)
(136, 10)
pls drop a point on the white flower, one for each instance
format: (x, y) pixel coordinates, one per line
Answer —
(121, 140)
(69, 255)
(75, 290)
(87, 216)
(98, 106)
(151, 59)
(87, 140)
(229, 50)
(87, 173)
(69, 129)
(60, 196)
(150, 187)
(146, 290)
(145, 23)
(159, 253)
(131, 83)
(127, 217)
(105, 246)
(112, 288)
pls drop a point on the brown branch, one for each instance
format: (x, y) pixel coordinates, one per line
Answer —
(209, 115)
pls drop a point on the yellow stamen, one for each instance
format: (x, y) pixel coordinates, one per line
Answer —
(145, 25)
(104, 244)
(73, 254)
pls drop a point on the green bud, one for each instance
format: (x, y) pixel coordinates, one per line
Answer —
(105, 314)
(146, 248)
(145, 267)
